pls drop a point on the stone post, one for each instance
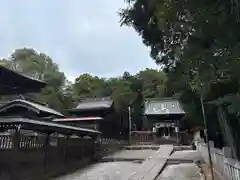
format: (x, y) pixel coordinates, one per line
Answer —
(227, 152)
(211, 144)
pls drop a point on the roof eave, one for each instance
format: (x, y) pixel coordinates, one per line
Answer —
(182, 113)
(11, 105)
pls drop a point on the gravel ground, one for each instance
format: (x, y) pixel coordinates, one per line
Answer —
(187, 154)
(111, 170)
(183, 171)
(180, 172)
(103, 171)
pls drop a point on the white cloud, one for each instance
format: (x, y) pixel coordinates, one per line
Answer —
(81, 36)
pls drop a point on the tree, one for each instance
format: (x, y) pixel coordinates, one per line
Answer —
(137, 103)
(37, 65)
(40, 66)
(4, 62)
(88, 86)
(125, 90)
(197, 43)
(184, 40)
(176, 32)
(154, 83)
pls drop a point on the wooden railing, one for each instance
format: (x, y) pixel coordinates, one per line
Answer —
(23, 156)
(142, 138)
(225, 167)
(5, 142)
(107, 146)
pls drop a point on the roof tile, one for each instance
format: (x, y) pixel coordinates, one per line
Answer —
(39, 107)
(95, 103)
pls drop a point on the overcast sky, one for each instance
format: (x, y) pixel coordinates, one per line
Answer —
(80, 35)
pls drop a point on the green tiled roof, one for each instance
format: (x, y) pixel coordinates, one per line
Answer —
(98, 103)
(163, 106)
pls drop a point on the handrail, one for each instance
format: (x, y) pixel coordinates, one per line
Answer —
(227, 167)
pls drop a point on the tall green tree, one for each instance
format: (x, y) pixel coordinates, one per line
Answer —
(40, 66)
(186, 33)
(197, 43)
(89, 86)
(153, 82)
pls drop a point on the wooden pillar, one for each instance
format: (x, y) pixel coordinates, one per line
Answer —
(96, 147)
(66, 148)
(177, 132)
(168, 129)
(46, 150)
(15, 162)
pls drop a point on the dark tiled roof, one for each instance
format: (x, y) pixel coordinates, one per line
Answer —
(100, 103)
(32, 105)
(12, 82)
(43, 126)
(67, 119)
(163, 106)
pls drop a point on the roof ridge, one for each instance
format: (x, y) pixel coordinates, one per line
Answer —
(95, 99)
(32, 100)
(34, 105)
(161, 98)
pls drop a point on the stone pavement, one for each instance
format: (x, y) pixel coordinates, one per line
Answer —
(103, 171)
(187, 171)
(130, 155)
(153, 165)
(111, 170)
(184, 170)
(120, 170)
(149, 169)
(187, 154)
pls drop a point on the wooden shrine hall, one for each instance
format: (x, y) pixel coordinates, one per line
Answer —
(165, 115)
(31, 145)
(94, 113)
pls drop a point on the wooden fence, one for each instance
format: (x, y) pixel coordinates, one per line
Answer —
(226, 167)
(142, 138)
(108, 146)
(24, 156)
(150, 138)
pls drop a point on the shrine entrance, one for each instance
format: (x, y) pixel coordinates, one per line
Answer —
(165, 129)
(164, 114)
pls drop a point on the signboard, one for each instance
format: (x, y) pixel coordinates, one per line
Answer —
(176, 129)
(159, 125)
(154, 130)
(53, 142)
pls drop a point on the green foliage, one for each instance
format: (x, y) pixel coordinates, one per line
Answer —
(197, 43)
(154, 83)
(40, 66)
(122, 89)
(186, 33)
(88, 86)
(125, 90)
